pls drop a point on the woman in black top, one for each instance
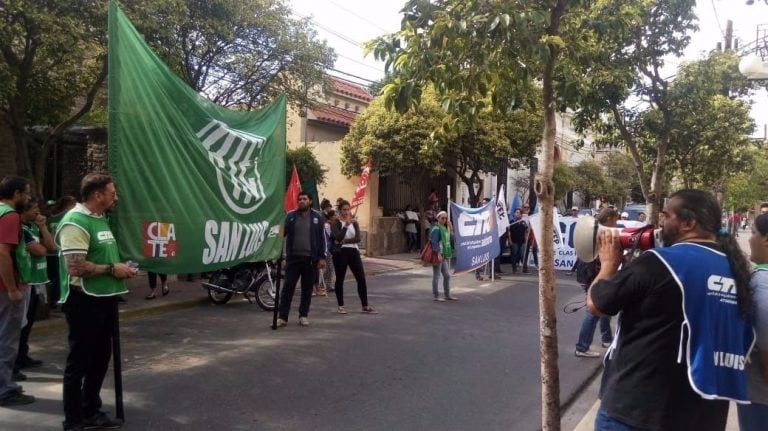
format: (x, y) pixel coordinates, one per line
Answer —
(346, 235)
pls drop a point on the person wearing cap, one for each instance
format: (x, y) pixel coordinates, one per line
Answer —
(440, 241)
(625, 215)
(574, 211)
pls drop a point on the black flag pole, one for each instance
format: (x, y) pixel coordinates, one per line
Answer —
(277, 291)
(118, 367)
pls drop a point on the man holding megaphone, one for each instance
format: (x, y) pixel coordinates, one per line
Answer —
(682, 338)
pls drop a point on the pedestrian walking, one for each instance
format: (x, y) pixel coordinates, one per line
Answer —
(346, 237)
(38, 242)
(754, 416)
(585, 274)
(92, 277)
(305, 251)
(518, 230)
(411, 228)
(152, 279)
(15, 266)
(440, 240)
(674, 364)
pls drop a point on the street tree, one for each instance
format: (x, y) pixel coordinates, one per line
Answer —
(635, 37)
(238, 53)
(404, 144)
(52, 65)
(620, 179)
(307, 165)
(751, 185)
(480, 53)
(589, 180)
(564, 179)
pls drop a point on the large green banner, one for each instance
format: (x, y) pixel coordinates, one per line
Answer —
(200, 187)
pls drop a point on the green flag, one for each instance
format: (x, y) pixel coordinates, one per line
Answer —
(200, 187)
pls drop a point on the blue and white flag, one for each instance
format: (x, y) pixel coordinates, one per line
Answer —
(476, 235)
(502, 218)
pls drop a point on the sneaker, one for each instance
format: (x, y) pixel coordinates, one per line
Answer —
(28, 362)
(18, 376)
(586, 354)
(303, 321)
(570, 273)
(439, 299)
(281, 323)
(606, 345)
(100, 420)
(451, 298)
(16, 398)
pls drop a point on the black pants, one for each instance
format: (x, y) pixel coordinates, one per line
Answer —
(295, 268)
(53, 276)
(25, 331)
(350, 257)
(152, 277)
(91, 321)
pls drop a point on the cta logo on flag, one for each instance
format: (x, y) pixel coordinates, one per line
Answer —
(234, 154)
(160, 240)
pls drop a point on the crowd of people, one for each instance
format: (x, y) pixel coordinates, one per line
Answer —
(689, 314)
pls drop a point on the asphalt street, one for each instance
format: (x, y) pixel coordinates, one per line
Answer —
(417, 365)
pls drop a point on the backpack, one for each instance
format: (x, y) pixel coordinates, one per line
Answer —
(587, 271)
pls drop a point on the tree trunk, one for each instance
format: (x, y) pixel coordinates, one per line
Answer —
(545, 190)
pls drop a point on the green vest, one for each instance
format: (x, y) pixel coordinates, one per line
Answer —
(22, 258)
(39, 274)
(102, 250)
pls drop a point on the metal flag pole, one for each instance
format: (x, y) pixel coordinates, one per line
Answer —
(277, 291)
(449, 224)
(117, 365)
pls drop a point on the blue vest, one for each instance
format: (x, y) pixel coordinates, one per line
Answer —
(719, 339)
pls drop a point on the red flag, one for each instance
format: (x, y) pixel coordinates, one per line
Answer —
(291, 201)
(361, 186)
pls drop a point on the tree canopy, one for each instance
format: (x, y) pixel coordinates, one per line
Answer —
(416, 142)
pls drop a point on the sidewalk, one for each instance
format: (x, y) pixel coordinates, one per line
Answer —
(590, 410)
(187, 294)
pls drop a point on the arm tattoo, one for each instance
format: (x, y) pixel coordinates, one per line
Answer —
(79, 267)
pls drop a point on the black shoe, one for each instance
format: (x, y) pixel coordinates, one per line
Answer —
(100, 420)
(28, 362)
(121, 299)
(16, 398)
(18, 376)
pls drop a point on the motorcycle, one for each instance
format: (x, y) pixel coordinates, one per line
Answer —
(254, 280)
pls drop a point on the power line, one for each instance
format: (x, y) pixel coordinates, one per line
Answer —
(356, 15)
(359, 62)
(343, 37)
(717, 18)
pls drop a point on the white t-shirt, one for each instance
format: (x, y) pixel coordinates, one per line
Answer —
(349, 235)
(411, 227)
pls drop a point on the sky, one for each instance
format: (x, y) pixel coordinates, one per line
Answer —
(346, 24)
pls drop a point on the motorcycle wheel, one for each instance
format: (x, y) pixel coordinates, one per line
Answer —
(265, 292)
(217, 297)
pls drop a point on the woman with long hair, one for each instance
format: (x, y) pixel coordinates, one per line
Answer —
(440, 239)
(755, 416)
(346, 236)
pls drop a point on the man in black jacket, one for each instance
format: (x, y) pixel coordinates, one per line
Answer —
(305, 250)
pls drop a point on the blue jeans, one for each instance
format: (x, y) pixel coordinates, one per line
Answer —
(11, 315)
(436, 270)
(603, 422)
(587, 332)
(752, 417)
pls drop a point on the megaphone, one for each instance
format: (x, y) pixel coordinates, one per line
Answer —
(587, 229)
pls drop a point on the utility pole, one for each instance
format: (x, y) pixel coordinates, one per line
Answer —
(729, 35)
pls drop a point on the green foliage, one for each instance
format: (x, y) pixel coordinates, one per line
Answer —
(589, 179)
(416, 143)
(564, 178)
(751, 185)
(307, 165)
(620, 179)
(240, 53)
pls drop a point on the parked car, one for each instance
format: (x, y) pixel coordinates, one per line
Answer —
(587, 211)
(634, 209)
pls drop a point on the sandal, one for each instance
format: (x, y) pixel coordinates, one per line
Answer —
(150, 296)
(369, 310)
(341, 310)
(166, 290)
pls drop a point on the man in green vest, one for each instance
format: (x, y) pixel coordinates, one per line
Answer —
(39, 242)
(91, 278)
(14, 268)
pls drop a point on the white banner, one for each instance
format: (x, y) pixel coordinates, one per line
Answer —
(565, 255)
(502, 217)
